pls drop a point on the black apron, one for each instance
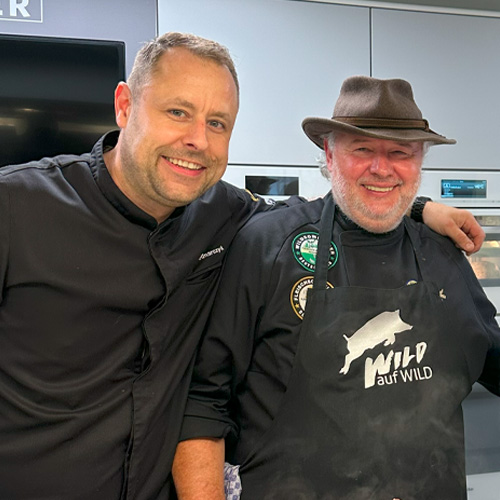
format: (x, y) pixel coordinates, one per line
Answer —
(373, 407)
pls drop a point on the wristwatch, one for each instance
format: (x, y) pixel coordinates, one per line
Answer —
(417, 209)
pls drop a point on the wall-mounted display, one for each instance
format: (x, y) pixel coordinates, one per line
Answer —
(56, 94)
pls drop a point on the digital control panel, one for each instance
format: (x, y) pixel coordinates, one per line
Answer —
(473, 189)
(463, 188)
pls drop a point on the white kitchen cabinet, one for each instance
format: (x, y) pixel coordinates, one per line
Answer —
(453, 64)
(291, 58)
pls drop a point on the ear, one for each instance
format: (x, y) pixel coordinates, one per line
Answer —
(328, 154)
(123, 104)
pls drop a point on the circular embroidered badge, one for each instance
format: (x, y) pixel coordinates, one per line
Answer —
(305, 247)
(298, 295)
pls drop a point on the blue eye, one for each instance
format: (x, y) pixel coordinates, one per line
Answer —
(216, 124)
(177, 112)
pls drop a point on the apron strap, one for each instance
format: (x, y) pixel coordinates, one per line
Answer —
(412, 234)
(325, 236)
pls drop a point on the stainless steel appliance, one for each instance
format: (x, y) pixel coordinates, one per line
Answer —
(278, 182)
(479, 192)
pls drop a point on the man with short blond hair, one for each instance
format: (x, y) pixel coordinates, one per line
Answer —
(108, 272)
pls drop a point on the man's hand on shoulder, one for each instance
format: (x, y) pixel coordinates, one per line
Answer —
(458, 224)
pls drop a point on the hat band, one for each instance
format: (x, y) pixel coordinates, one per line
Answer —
(383, 123)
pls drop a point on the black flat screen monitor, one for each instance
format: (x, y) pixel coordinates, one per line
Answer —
(56, 94)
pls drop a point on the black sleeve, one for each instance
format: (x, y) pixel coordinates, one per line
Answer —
(464, 288)
(486, 315)
(490, 376)
(226, 349)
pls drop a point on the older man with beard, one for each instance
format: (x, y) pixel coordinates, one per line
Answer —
(342, 346)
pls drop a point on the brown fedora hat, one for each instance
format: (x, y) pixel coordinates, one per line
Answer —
(384, 109)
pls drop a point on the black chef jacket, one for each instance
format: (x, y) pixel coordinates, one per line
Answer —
(247, 354)
(101, 310)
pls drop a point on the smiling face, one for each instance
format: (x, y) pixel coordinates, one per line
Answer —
(374, 181)
(175, 132)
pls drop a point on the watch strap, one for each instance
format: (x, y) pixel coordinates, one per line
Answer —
(417, 209)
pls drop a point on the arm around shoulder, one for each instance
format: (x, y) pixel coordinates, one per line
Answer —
(458, 224)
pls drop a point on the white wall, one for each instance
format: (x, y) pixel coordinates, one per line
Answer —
(292, 57)
(131, 21)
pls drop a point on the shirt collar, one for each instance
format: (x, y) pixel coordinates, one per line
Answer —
(113, 193)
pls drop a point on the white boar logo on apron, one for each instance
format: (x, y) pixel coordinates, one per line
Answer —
(380, 329)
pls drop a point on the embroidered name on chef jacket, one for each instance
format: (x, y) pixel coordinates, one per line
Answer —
(391, 367)
(212, 252)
